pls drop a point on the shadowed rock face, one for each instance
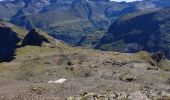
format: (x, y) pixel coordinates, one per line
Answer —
(8, 41)
(34, 38)
(13, 37)
(158, 56)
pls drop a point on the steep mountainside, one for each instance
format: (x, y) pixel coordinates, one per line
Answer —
(70, 20)
(147, 31)
(78, 18)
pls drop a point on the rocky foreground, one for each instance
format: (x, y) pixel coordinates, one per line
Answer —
(48, 69)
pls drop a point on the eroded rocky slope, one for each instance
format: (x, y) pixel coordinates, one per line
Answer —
(54, 70)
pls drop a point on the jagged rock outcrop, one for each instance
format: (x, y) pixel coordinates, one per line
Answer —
(13, 37)
(34, 38)
(158, 56)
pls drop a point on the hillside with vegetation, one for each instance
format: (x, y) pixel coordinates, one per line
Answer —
(70, 20)
(45, 68)
(146, 30)
(111, 50)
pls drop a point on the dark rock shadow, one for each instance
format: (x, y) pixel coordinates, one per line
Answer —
(8, 44)
(34, 38)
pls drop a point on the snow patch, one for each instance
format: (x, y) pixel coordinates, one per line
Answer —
(59, 81)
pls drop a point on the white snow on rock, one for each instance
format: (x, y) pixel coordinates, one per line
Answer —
(50, 82)
(59, 81)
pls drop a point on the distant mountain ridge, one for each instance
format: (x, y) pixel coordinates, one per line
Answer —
(141, 31)
(70, 20)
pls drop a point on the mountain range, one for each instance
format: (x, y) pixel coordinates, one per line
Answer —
(71, 20)
(142, 31)
(111, 50)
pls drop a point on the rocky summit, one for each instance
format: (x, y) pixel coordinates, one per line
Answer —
(44, 68)
(84, 50)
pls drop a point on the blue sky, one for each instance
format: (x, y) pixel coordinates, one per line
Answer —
(125, 0)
